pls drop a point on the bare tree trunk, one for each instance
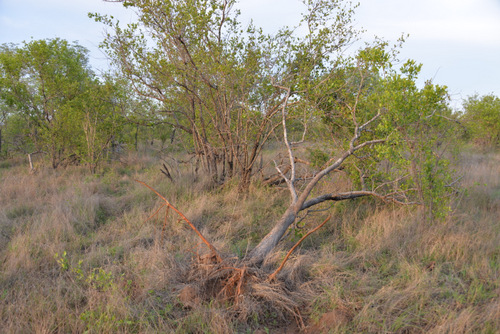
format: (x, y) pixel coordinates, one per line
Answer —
(299, 201)
(267, 244)
(31, 162)
(55, 162)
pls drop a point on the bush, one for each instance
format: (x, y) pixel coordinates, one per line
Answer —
(481, 116)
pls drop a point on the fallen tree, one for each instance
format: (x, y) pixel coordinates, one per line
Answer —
(394, 154)
(386, 136)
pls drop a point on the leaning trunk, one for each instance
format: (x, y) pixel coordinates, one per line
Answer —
(267, 244)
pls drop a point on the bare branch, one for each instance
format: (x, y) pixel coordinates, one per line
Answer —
(353, 195)
(368, 143)
(282, 174)
(334, 197)
(290, 182)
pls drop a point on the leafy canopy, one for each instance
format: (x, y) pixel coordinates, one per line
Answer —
(481, 116)
(53, 96)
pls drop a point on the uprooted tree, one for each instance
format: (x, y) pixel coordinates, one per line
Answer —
(388, 136)
(230, 89)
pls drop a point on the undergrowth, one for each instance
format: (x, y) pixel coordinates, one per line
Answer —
(79, 254)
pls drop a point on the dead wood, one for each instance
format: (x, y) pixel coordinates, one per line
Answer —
(166, 172)
(229, 281)
(276, 179)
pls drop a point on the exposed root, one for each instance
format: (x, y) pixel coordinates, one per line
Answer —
(244, 290)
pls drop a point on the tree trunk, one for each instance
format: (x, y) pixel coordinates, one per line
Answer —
(136, 135)
(244, 184)
(55, 160)
(266, 245)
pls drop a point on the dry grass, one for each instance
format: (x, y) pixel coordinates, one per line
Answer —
(77, 255)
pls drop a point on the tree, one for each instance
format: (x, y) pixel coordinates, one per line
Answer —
(56, 102)
(13, 127)
(101, 115)
(41, 81)
(387, 139)
(15, 137)
(481, 116)
(3, 118)
(213, 78)
(229, 88)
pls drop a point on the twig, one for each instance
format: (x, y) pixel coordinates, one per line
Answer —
(298, 319)
(156, 212)
(273, 275)
(164, 224)
(166, 172)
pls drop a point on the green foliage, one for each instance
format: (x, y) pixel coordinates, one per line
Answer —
(106, 320)
(371, 97)
(62, 261)
(219, 82)
(419, 135)
(39, 82)
(481, 116)
(318, 157)
(101, 119)
(15, 135)
(101, 317)
(225, 87)
(199, 73)
(53, 103)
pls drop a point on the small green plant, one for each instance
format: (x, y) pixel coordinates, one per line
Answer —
(5, 164)
(100, 279)
(62, 261)
(78, 271)
(104, 320)
(20, 211)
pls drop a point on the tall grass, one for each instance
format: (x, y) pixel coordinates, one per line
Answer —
(79, 254)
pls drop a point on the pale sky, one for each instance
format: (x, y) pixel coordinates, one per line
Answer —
(457, 41)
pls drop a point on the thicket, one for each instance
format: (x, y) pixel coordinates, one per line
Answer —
(52, 103)
(481, 118)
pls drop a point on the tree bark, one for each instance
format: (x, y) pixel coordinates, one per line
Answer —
(267, 244)
(244, 184)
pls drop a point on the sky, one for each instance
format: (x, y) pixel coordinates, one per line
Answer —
(457, 41)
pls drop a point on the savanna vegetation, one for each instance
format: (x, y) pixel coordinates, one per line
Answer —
(222, 179)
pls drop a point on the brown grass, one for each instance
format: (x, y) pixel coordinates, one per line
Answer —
(77, 254)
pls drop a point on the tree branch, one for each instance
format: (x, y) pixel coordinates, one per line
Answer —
(290, 182)
(353, 195)
(336, 197)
